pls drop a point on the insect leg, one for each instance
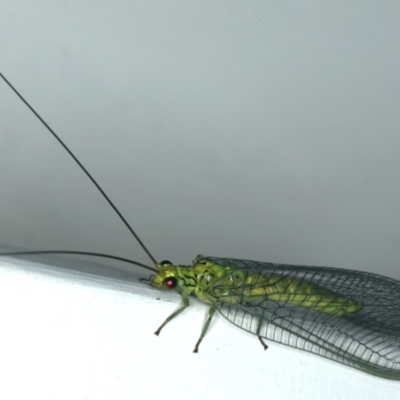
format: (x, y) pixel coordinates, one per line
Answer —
(211, 312)
(173, 315)
(260, 321)
(262, 342)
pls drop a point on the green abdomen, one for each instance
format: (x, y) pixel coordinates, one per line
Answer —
(246, 286)
(302, 293)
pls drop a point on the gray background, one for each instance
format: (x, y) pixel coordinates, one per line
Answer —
(249, 129)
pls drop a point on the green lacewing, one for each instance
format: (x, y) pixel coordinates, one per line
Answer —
(347, 316)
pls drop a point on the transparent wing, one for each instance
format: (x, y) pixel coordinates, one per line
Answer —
(368, 339)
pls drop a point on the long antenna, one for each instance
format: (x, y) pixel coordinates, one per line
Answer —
(81, 253)
(83, 169)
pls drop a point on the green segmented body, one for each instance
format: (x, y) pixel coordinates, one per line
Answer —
(348, 316)
(212, 282)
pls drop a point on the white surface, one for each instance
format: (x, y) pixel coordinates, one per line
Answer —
(72, 335)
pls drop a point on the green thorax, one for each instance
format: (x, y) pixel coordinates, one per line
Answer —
(197, 278)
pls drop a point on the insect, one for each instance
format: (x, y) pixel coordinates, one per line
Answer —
(347, 316)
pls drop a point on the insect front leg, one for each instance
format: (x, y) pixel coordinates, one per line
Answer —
(185, 305)
(211, 312)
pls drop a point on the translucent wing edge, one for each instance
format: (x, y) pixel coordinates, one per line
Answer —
(304, 340)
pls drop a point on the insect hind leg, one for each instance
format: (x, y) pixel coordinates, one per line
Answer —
(258, 334)
(262, 342)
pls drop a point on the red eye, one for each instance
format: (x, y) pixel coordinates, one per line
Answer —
(170, 282)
